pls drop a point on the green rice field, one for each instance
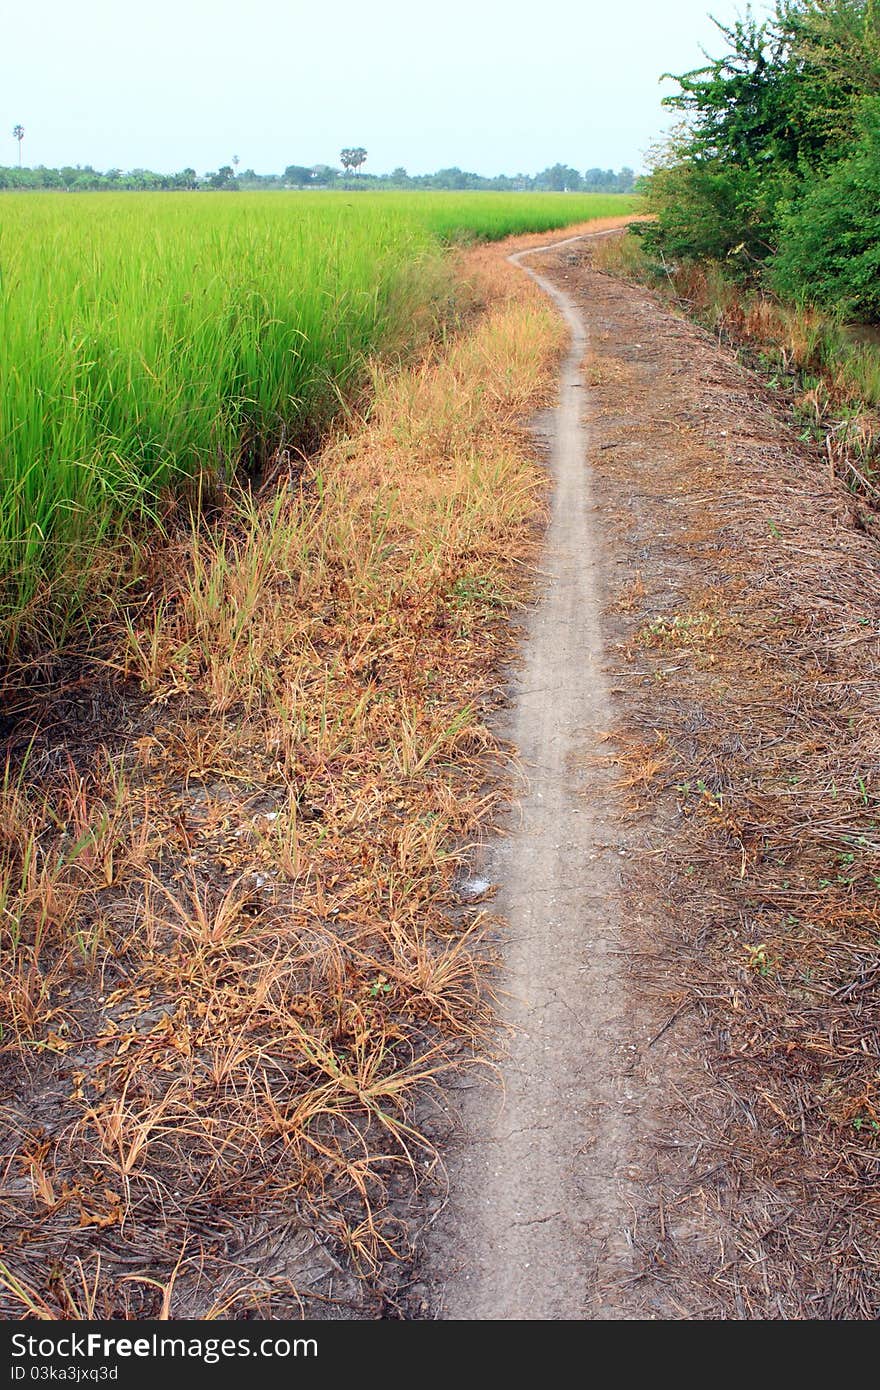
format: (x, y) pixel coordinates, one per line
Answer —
(150, 339)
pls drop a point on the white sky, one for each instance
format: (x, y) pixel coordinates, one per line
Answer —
(490, 86)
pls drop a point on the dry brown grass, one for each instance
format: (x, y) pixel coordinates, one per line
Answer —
(233, 955)
(749, 759)
(829, 380)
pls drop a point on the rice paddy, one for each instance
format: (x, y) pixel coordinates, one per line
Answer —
(152, 345)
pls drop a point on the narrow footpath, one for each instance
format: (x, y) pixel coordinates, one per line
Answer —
(538, 1211)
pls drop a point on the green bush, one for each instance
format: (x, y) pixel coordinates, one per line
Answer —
(708, 209)
(696, 211)
(765, 129)
(829, 249)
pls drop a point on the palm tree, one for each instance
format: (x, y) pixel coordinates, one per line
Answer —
(353, 158)
(18, 133)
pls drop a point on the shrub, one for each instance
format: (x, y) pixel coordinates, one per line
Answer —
(830, 243)
(707, 209)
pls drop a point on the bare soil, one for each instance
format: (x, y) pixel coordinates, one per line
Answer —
(682, 1118)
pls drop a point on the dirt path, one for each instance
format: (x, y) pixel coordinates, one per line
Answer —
(535, 1227)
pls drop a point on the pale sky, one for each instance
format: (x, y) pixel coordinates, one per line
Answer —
(489, 86)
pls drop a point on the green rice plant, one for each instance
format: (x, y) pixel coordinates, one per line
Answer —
(153, 345)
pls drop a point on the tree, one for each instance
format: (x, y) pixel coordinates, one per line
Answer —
(297, 174)
(224, 178)
(450, 178)
(323, 174)
(18, 134)
(829, 249)
(353, 158)
(561, 178)
(749, 132)
(764, 127)
(144, 180)
(607, 181)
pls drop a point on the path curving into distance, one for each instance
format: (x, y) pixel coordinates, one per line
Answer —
(536, 1223)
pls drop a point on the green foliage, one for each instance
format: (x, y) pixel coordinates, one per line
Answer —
(830, 240)
(711, 210)
(560, 177)
(85, 179)
(712, 189)
(738, 105)
(606, 181)
(297, 174)
(765, 126)
(837, 45)
(223, 179)
(146, 341)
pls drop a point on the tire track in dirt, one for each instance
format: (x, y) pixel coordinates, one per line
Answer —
(538, 1212)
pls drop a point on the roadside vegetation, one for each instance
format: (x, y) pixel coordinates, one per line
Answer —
(774, 170)
(152, 348)
(766, 204)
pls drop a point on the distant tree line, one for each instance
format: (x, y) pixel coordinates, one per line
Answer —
(558, 178)
(82, 178)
